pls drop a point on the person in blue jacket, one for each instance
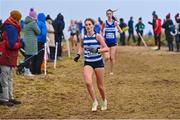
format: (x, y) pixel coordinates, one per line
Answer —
(41, 42)
(131, 30)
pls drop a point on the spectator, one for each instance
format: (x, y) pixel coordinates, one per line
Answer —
(41, 41)
(150, 33)
(59, 25)
(139, 29)
(97, 27)
(50, 37)
(124, 27)
(157, 31)
(8, 60)
(153, 23)
(177, 26)
(31, 31)
(22, 22)
(131, 29)
(1, 30)
(167, 25)
(81, 27)
(0, 22)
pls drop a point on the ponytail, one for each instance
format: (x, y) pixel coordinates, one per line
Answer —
(114, 18)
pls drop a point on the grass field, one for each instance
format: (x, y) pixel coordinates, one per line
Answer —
(146, 84)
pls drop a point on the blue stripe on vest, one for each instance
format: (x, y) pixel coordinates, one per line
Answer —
(93, 57)
(91, 44)
(89, 38)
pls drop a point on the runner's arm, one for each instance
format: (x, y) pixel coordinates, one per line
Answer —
(118, 27)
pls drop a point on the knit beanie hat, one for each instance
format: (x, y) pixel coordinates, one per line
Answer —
(32, 13)
(177, 16)
(16, 15)
(48, 17)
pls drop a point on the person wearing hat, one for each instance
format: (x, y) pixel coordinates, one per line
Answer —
(177, 26)
(153, 23)
(139, 29)
(167, 25)
(50, 37)
(8, 60)
(42, 39)
(31, 31)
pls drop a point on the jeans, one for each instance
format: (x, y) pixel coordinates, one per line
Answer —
(139, 38)
(58, 39)
(131, 34)
(52, 53)
(158, 39)
(6, 82)
(39, 59)
(169, 39)
(177, 42)
(123, 40)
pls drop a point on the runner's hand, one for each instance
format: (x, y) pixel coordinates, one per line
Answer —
(76, 58)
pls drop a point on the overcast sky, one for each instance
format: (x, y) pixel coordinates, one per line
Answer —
(81, 9)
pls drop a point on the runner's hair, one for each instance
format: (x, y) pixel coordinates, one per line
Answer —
(110, 10)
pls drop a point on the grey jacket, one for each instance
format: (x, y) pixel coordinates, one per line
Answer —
(31, 30)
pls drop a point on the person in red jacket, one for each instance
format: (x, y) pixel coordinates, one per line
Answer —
(157, 31)
(9, 48)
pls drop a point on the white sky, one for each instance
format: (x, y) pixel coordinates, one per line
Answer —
(81, 9)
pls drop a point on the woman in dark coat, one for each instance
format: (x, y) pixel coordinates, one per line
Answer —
(59, 25)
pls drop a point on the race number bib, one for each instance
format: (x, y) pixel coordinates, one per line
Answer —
(110, 35)
(88, 51)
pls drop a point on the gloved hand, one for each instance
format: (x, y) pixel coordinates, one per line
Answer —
(76, 58)
(149, 22)
(93, 49)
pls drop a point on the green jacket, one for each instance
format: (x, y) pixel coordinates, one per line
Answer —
(140, 27)
(31, 30)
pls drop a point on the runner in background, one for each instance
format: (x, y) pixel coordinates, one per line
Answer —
(109, 30)
(73, 34)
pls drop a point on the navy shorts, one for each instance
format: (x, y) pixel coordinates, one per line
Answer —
(94, 65)
(111, 44)
(72, 34)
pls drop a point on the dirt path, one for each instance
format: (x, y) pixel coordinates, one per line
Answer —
(146, 84)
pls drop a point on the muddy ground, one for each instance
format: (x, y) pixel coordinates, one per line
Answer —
(146, 84)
